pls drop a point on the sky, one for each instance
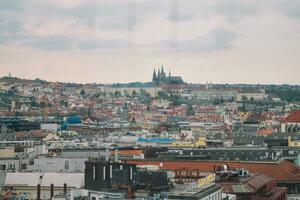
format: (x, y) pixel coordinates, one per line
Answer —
(109, 41)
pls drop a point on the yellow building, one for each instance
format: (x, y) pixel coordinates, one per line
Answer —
(189, 144)
(7, 152)
(293, 143)
(244, 115)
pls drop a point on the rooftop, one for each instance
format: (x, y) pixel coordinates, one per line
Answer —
(28, 179)
(293, 117)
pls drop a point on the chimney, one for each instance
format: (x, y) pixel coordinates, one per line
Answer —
(38, 194)
(65, 189)
(51, 190)
(110, 171)
(130, 173)
(107, 155)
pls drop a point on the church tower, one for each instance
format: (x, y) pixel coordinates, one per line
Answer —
(162, 73)
(158, 74)
(154, 78)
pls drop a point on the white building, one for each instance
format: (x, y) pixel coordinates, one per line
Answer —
(213, 94)
(257, 95)
(50, 126)
(26, 183)
(291, 123)
(59, 164)
(129, 90)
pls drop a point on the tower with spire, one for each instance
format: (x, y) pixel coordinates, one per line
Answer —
(162, 73)
(154, 78)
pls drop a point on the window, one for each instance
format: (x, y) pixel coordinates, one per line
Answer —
(24, 166)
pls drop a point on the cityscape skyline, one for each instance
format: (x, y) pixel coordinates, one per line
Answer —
(149, 99)
(225, 41)
(9, 75)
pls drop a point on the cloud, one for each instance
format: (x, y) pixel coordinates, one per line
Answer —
(62, 4)
(234, 10)
(115, 15)
(9, 26)
(104, 44)
(215, 40)
(64, 42)
(10, 30)
(12, 5)
(51, 42)
(291, 8)
(74, 34)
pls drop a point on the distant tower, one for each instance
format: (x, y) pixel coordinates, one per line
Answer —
(162, 73)
(154, 78)
(158, 75)
(169, 73)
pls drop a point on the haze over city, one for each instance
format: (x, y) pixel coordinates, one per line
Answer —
(222, 41)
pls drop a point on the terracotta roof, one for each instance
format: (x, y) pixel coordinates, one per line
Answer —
(255, 117)
(259, 181)
(265, 131)
(256, 182)
(283, 171)
(294, 116)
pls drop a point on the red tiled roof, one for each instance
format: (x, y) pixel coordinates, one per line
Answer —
(256, 182)
(265, 131)
(255, 117)
(294, 116)
(283, 171)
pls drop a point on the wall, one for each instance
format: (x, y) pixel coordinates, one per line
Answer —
(59, 164)
(8, 152)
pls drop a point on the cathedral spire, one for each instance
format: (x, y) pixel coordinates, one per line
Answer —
(154, 76)
(162, 69)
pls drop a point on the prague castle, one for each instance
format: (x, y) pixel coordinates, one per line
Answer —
(161, 77)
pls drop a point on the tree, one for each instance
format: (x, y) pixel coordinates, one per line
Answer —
(82, 92)
(117, 94)
(33, 104)
(162, 95)
(251, 100)
(190, 110)
(12, 91)
(134, 93)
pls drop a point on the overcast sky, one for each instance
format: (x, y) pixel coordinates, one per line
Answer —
(105, 41)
